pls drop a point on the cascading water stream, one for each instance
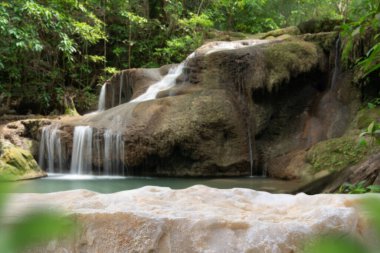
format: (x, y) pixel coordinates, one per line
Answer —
(102, 98)
(51, 153)
(113, 163)
(121, 87)
(337, 69)
(81, 160)
(165, 83)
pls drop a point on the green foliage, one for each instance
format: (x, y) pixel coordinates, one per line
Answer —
(42, 47)
(335, 244)
(72, 44)
(372, 131)
(341, 243)
(358, 188)
(336, 154)
(361, 37)
(33, 228)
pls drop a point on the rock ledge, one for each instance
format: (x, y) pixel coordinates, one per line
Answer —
(196, 219)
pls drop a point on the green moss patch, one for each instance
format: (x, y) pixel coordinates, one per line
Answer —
(366, 116)
(289, 58)
(291, 30)
(18, 163)
(336, 154)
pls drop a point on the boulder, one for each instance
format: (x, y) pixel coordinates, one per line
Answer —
(206, 123)
(320, 25)
(238, 108)
(196, 134)
(197, 219)
(17, 163)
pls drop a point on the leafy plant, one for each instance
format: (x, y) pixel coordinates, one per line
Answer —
(361, 37)
(372, 131)
(358, 188)
(33, 228)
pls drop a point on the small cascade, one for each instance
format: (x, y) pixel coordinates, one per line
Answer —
(81, 160)
(251, 150)
(113, 162)
(51, 153)
(121, 87)
(327, 118)
(165, 83)
(337, 65)
(217, 46)
(102, 98)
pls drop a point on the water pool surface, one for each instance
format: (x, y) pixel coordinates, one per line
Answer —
(110, 184)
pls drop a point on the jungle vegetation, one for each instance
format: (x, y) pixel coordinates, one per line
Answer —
(54, 51)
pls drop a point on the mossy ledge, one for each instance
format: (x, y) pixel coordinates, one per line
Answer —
(17, 163)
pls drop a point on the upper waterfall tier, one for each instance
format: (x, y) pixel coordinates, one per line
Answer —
(118, 90)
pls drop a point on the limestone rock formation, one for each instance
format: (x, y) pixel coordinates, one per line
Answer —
(17, 163)
(206, 124)
(197, 219)
(237, 108)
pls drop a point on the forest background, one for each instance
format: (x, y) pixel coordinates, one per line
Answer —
(52, 51)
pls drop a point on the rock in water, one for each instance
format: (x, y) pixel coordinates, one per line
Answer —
(18, 163)
(197, 219)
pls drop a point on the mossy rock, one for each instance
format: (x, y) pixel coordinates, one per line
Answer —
(288, 59)
(365, 117)
(325, 40)
(319, 25)
(18, 163)
(339, 153)
(216, 35)
(291, 30)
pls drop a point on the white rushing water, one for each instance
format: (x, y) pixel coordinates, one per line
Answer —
(81, 158)
(165, 83)
(102, 99)
(51, 153)
(217, 46)
(113, 160)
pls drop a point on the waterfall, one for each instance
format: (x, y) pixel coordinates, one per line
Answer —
(102, 99)
(112, 148)
(121, 85)
(336, 72)
(51, 153)
(169, 80)
(165, 83)
(113, 162)
(81, 159)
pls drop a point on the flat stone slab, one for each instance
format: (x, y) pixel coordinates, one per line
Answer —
(196, 219)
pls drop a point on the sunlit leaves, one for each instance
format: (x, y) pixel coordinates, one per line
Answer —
(43, 40)
(134, 18)
(88, 33)
(366, 20)
(196, 21)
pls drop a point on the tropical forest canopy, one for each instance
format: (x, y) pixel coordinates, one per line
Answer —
(54, 49)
